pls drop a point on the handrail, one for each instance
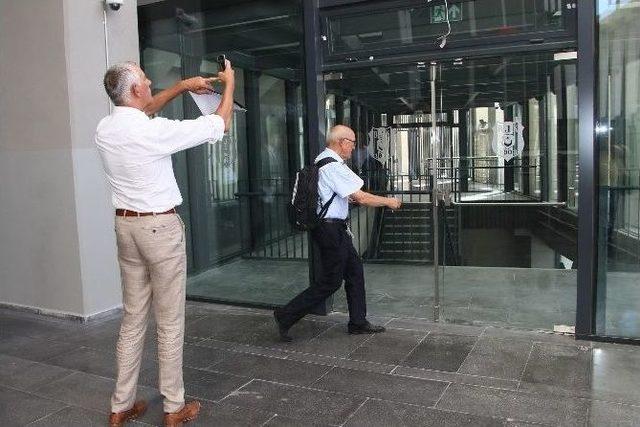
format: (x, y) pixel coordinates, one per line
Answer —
(400, 192)
(505, 203)
(259, 193)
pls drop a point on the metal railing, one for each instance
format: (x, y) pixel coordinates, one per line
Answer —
(265, 207)
(271, 234)
(620, 210)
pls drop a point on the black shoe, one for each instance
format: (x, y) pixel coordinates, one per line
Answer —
(282, 330)
(365, 328)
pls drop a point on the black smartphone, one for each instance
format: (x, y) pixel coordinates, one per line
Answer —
(221, 62)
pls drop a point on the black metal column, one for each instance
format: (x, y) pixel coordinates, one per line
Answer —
(315, 131)
(254, 161)
(509, 165)
(315, 92)
(561, 89)
(588, 218)
(525, 172)
(463, 151)
(339, 110)
(293, 152)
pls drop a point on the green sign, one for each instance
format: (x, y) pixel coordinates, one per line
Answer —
(439, 14)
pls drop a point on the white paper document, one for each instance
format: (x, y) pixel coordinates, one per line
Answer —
(208, 103)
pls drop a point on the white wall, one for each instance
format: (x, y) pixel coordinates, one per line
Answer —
(57, 248)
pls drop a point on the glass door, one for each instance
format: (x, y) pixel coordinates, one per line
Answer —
(506, 202)
(392, 158)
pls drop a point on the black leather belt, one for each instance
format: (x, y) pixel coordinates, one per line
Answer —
(335, 221)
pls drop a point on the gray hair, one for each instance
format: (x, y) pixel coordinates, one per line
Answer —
(119, 79)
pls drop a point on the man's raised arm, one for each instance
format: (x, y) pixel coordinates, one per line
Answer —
(225, 109)
(200, 85)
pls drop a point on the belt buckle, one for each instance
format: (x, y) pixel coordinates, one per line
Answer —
(349, 232)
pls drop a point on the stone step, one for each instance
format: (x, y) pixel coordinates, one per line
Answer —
(405, 256)
(424, 261)
(407, 237)
(408, 213)
(414, 227)
(404, 245)
(408, 218)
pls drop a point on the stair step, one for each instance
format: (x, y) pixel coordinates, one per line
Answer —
(405, 251)
(407, 218)
(424, 261)
(425, 226)
(408, 238)
(405, 236)
(405, 242)
(405, 214)
(406, 257)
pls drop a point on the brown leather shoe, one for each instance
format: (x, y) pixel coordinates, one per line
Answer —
(117, 419)
(188, 412)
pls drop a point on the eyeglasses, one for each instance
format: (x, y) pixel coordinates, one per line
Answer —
(350, 140)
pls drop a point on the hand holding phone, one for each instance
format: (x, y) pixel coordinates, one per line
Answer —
(221, 62)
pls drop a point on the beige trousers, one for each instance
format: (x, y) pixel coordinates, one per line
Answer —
(152, 257)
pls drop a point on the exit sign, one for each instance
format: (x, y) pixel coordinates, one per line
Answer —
(439, 14)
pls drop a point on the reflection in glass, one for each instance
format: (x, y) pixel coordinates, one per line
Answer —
(352, 33)
(618, 135)
(508, 236)
(236, 190)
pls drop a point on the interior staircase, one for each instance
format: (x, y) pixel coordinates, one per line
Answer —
(406, 235)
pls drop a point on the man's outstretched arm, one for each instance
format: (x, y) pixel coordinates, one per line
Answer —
(368, 199)
(195, 84)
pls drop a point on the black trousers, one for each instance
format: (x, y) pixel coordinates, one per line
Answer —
(338, 261)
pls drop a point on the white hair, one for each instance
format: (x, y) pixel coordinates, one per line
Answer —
(338, 132)
(119, 79)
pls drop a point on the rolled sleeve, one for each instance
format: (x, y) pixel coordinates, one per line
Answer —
(341, 180)
(177, 135)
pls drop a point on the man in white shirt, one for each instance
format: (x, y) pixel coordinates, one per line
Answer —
(136, 153)
(338, 256)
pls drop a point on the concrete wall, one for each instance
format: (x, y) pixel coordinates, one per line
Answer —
(57, 248)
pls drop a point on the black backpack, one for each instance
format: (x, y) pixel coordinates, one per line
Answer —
(303, 209)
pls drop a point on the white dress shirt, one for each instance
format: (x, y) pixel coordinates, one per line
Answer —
(136, 154)
(336, 177)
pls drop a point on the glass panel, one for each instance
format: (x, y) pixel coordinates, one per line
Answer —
(508, 234)
(240, 246)
(398, 28)
(507, 225)
(394, 246)
(618, 135)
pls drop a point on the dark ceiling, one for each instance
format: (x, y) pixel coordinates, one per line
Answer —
(255, 35)
(465, 83)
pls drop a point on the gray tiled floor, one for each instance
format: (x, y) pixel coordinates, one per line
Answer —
(532, 298)
(58, 373)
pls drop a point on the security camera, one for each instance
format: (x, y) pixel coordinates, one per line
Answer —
(114, 4)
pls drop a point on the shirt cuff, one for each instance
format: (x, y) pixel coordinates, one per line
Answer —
(217, 127)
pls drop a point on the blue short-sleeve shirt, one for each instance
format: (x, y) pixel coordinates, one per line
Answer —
(336, 177)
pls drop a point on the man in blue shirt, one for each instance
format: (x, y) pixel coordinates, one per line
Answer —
(338, 256)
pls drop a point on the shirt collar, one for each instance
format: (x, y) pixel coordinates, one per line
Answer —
(122, 109)
(334, 155)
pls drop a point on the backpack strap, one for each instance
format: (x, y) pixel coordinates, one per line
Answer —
(325, 208)
(325, 161)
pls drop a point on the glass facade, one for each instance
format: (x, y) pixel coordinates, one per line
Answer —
(379, 29)
(508, 251)
(501, 244)
(618, 139)
(236, 190)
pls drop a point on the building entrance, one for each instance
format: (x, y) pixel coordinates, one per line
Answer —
(483, 151)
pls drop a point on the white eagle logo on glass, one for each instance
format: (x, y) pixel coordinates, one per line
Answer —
(508, 139)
